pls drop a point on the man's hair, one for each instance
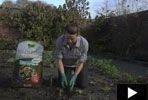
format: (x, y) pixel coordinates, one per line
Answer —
(72, 29)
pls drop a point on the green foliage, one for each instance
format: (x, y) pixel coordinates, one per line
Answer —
(35, 23)
(7, 4)
(106, 67)
(7, 44)
(102, 39)
(78, 5)
(100, 23)
(129, 77)
(106, 89)
(118, 35)
(48, 59)
(42, 22)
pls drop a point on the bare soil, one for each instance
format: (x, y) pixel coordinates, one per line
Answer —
(101, 87)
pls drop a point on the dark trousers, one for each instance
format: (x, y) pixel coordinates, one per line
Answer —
(82, 78)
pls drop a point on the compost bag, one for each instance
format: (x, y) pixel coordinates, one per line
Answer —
(28, 68)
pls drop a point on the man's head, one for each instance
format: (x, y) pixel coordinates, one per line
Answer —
(72, 31)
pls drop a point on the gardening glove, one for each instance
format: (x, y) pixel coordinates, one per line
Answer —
(72, 81)
(63, 80)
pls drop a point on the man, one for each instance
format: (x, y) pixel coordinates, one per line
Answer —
(71, 54)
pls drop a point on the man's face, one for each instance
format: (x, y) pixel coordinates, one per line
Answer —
(71, 39)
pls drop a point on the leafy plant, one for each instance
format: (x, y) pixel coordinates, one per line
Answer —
(106, 67)
(39, 21)
(48, 58)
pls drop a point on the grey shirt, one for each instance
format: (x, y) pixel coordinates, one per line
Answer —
(71, 57)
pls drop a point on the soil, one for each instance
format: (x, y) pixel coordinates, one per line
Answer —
(100, 87)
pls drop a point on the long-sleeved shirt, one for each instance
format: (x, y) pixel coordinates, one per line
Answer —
(71, 56)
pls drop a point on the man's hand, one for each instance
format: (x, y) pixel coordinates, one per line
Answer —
(64, 82)
(72, 81)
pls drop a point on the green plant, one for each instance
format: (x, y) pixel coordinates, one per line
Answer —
(106, 89)
(7, 44)
(106, 67)
(39, 21)
(48, 59)
(129, 77)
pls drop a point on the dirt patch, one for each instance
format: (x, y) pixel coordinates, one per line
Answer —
(100, 88)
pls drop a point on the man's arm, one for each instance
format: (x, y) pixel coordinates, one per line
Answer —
(59, 57)
(60, 65)
(79, 67)
(82, 59)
